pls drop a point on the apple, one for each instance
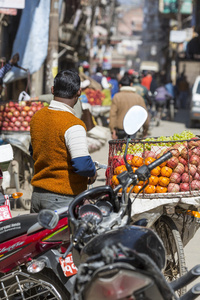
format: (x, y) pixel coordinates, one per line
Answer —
(5, 124)
(28, 119)
(23, 113)
(13, 119)
(26, 108)
(15, 128)
(9, 114)
(18, 123)
(22, 103)
(22, 128)
(25, 124)
(34, 108)
(16, 113)
(20, 118)
(11, 104)
(30, 113)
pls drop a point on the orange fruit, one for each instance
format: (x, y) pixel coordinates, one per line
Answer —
(114, 180)
(153, 180)
(155, 171)
(128, 189)
(137, 161)
(161, 189)
(166, 171)
(134, 169)
(163, 181)
(149, 160)
(150, 189)
(137, 188)
(118, 170)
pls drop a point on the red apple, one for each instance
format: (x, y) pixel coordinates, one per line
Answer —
(25, 124)
(28, 119)
(9, 114)
(13, 119)
(16, 113)
(30, 113)
(23, 113)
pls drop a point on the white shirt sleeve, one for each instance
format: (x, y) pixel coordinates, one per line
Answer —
(76, 141)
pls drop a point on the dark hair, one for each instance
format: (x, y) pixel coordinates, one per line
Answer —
(66, 84)
(125, 81)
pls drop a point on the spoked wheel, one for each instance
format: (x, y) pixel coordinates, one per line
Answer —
(35, 287)
(175, 264)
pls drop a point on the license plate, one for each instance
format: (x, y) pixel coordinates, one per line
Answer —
(68, 265)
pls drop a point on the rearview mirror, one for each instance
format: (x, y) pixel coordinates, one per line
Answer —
(134, 119)
(48, 218)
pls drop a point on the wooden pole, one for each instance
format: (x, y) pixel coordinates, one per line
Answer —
(52, 55)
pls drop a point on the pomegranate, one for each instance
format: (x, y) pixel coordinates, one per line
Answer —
(195, 185)
(182, 160)
(118, 161)
(196, 150)
(173, 188)
(194, 160)
(149, 154)
(175, 178)
(184, 187)
(193, 142)
(172, 162)
(186, 177)
(191, 170)
(179, 168)
(196, 176)
(174, 152)
(186, 152)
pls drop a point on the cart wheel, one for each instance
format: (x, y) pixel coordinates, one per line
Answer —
(175, 264)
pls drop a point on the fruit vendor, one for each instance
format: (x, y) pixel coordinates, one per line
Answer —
(63, 166)
(121, 103)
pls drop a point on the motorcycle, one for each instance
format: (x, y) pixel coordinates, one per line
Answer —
(22, 239)
(117, 259)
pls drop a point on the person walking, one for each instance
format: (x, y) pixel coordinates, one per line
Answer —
(62, 164)
(121, 103)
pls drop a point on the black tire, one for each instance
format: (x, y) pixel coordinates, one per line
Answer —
(171, 111)
(40, 286)
(175, 262)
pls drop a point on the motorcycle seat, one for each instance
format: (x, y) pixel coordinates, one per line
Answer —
(16, 226)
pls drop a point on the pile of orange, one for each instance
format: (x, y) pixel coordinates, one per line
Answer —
(158, 180)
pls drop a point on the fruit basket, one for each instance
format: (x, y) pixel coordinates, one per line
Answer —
(16, 116)
(179, 176)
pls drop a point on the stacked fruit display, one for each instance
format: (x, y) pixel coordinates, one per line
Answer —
(16, 116)
(181, 173)
(95, 97)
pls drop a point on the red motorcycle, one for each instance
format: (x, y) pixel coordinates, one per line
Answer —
(31, 251)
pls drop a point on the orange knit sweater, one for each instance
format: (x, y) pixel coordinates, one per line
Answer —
(52, 169)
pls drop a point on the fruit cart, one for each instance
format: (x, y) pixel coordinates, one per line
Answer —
(170, 201)
(15, 130)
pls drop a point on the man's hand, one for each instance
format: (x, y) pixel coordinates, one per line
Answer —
(114, 136)
(91, 180)
(14, 59)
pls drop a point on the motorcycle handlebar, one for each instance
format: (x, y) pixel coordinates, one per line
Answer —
(159, 161)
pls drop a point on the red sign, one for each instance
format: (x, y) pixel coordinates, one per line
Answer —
(68, 265)
(8, 11)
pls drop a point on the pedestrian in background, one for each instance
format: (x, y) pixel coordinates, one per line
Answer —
(121, 103)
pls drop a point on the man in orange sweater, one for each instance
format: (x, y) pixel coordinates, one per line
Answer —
(63, 166)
